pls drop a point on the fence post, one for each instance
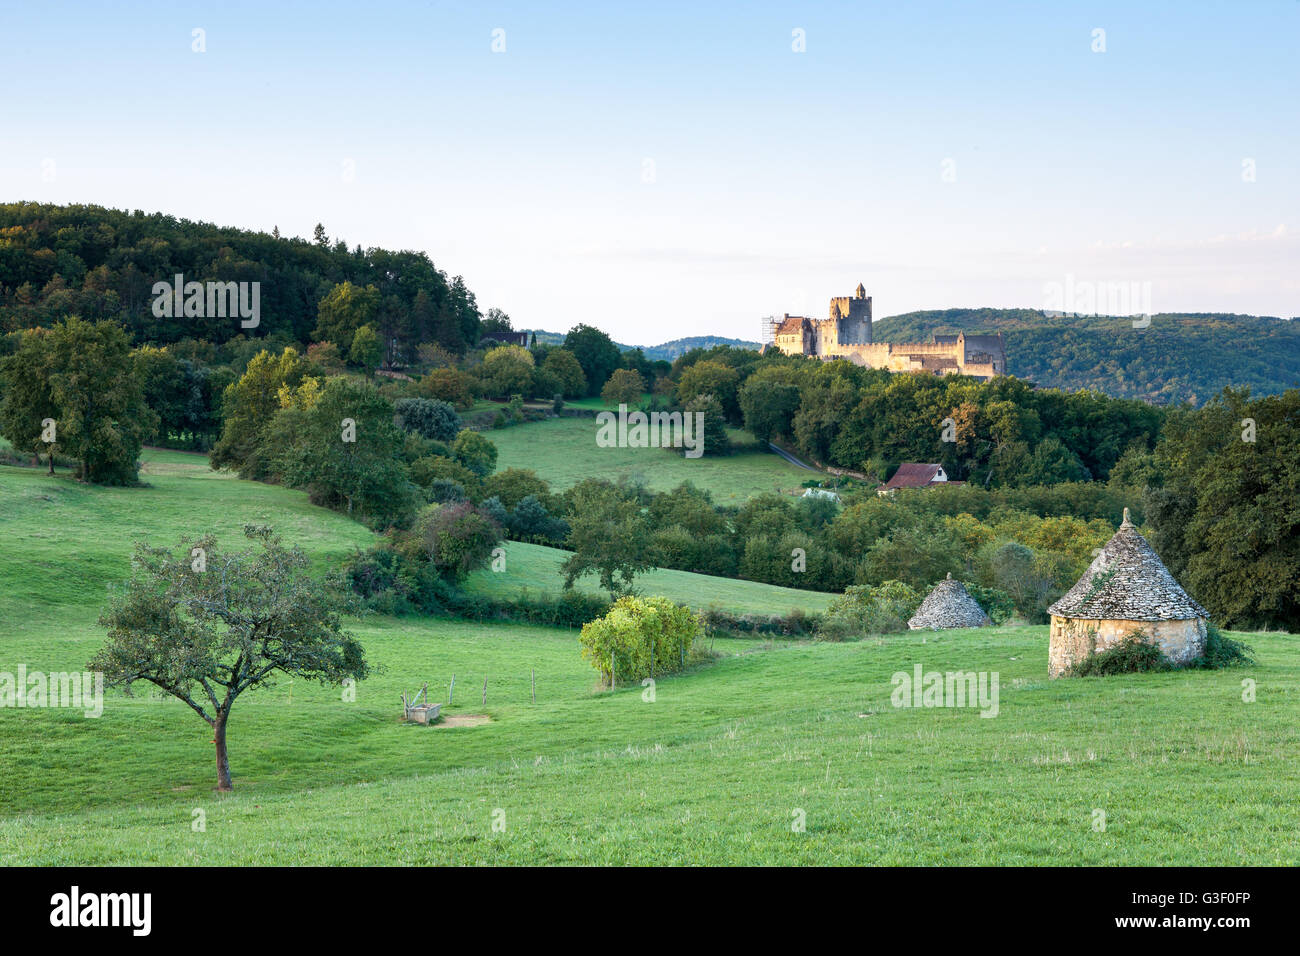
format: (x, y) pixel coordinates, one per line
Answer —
(451, 690)
(484, 691)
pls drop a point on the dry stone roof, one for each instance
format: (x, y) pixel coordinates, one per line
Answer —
(1127, 582)
(948, 605)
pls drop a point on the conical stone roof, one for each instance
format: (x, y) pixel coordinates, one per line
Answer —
(1127, 582)
(948, 605)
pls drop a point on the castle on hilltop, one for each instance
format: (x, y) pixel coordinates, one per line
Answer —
(847, 334)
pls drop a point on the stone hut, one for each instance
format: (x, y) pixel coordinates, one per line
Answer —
(1126, 588)
(949, 604)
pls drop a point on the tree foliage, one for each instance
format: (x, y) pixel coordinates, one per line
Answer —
(596, 354)
(205, 625)
(345, 450)
(608, 535)
(80, 375)
(639, 638)
(1223, 507)
(429, 418)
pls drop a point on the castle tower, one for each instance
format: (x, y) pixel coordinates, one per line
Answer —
(852, 317)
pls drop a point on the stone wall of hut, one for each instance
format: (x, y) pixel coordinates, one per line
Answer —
(1073, 639)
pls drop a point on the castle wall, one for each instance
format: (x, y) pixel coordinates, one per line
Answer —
(847, 334)
(1073, 639)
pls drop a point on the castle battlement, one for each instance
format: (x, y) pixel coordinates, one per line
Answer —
(846, 333)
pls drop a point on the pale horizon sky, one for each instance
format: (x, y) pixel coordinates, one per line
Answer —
(943, 154)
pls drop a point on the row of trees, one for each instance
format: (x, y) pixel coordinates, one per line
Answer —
(999, 433)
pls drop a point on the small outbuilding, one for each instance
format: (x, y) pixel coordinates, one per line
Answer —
(948, 605)
(1127, 588)
(914, 474)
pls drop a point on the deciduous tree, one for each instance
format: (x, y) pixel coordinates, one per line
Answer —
(205, 631)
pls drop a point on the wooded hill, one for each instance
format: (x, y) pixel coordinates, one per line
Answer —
(1179, 357)
(102, 263)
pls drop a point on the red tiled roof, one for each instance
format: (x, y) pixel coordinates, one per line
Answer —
(912, 474)
(790, 325)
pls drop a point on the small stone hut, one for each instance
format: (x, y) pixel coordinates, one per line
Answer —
(1126, 588)
(947, 605)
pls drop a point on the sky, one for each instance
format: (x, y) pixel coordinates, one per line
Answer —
(669, 169)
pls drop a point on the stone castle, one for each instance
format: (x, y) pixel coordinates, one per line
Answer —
(847, 334)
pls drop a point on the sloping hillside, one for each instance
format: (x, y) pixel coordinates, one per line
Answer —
(1179, 357)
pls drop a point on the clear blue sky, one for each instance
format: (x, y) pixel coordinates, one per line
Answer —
(780, 179)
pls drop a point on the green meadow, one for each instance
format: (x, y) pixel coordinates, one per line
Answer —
(535, 568)
(769, 754)
(564, 451)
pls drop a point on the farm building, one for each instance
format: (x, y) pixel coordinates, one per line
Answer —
(912, 474)
(947, 605)
(1126, 588)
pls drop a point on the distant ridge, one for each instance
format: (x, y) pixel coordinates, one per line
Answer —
(678, 347)
(666, 350)
(1179, 357)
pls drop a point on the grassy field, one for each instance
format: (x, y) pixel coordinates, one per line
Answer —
(598, 403)
(534, 568)
(715, 769)
(564, 451)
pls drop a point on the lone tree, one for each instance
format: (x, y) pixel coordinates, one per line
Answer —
(609, 536)
(205, 626)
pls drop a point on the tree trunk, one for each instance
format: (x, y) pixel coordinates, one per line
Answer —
(51, 461)
(223, 762)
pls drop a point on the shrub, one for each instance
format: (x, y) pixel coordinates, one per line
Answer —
(797, 623)
(454, 538)
(530, 521)
(869, 609)
(1134, 654)
(1222, 651)
(475, 452)
(425, 471)
(514, 484)
(640, 637)
(428, 418)
(449, 385)
(444, 490)
(415, 447)
(997, 604)
(566, 609)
